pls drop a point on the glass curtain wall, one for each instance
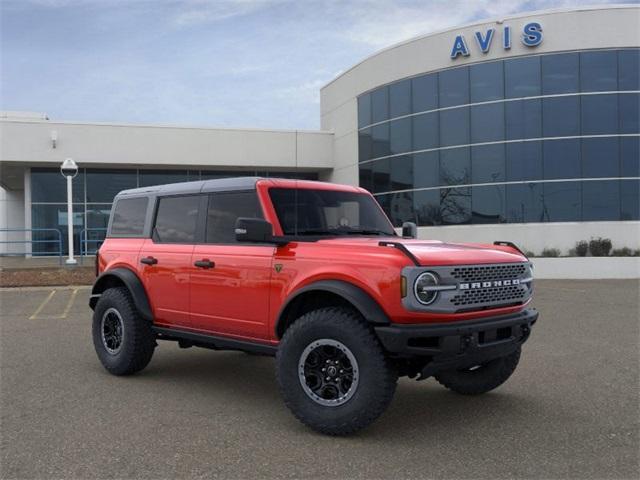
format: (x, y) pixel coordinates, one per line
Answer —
(93, 194)
(544, 138)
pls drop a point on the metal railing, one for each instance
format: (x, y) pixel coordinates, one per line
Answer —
(57, 241)
(86, 240)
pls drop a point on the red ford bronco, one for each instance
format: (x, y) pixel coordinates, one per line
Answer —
(315, 274)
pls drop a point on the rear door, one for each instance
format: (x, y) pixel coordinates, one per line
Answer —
(165, 259)
(230, 281)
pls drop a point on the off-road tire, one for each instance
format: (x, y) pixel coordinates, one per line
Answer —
(138, 340)
(377, 375)
(483, 379)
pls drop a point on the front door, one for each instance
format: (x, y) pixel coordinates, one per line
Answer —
(230, 281)
(165, 259)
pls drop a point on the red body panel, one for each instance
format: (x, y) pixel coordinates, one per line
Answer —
(245, 292)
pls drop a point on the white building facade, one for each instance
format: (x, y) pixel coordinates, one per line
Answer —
(523, 129)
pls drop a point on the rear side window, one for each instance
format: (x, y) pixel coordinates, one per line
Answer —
(128, 217)
(176, 219)
(224, 210)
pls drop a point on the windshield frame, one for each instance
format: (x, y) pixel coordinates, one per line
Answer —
(384, 227)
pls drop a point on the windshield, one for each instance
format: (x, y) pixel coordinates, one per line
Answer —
(328, 212)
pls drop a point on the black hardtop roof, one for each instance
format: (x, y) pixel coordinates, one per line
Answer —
(200, 186)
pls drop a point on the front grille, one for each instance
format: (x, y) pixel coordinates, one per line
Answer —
(492, 295)
(480, 273)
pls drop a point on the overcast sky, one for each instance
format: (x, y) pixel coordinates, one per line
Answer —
(229, 63)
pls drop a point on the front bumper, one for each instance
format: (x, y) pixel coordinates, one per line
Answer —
(460, 344)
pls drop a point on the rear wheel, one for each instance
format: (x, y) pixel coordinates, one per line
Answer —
(480, 378)
(333, 373)
(124, 341)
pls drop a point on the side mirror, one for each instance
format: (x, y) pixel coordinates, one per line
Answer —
(254, 230)
(409, 230)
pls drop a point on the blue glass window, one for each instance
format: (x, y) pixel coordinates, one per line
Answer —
(488, 164)
(454, 87)
(427, 207)
(629, 69)
(400, 99)
(600, 157)
(630, 199)
(454, 127)
(455, 205)
(599, 114)
(601, 200)
(48, 185)
(402, 173)
(487, 81)
(560, 73)
(561, 116)
(364, 110)
(54, 216)
(424, 93)
(380, 140)
(380, 105)
(426, 131)
(104, 184)
(562, 201)
(426, 169)
(630, 157)
(401, 208)
(400, 135)
(561, 159)
(381, 175)
(522, 77)
(524, 161)
(523, 119)
(488, 204)
(455, 166)
(599, 71)
(365, 171)
(365, 145)
(161, 177)
(629, 112)
(524, 203)
(487, 122)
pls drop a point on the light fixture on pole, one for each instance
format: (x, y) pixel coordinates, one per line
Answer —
(69, 170)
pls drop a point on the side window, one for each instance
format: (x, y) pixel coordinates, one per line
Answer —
(176, 219)
(224, 210)
(128, 217)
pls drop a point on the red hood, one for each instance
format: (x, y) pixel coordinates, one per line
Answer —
(434, 252)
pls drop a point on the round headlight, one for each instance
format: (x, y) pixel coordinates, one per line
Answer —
(422, 289)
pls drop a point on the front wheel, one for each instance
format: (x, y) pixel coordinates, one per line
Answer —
(124, 341)
(333, 373)
(480, 378)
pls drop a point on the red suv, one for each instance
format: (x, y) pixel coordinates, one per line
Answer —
(315, 274)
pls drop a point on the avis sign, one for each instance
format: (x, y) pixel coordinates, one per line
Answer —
(531, 37)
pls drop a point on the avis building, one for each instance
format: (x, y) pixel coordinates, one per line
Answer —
(524, 128)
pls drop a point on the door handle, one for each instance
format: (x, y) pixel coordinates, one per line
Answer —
(149, 260)
(204, 263)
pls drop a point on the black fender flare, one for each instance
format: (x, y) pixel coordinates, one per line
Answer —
(370, 310)
(131, 282)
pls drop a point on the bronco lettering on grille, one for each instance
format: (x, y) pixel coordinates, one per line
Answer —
(494, 283)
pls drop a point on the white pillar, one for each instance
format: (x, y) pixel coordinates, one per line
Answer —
(70, 260)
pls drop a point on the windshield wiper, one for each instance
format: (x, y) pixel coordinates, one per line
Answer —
(316, 231)
(365, 231)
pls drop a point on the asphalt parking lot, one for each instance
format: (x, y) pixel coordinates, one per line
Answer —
(570, 410)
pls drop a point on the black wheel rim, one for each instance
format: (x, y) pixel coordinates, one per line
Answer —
(328, 372)
(112, 331)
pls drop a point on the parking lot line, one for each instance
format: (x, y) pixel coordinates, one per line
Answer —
(45, 302)
(42, 305)
(69, 304)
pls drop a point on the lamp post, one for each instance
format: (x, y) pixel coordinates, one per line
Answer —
(69, 170)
